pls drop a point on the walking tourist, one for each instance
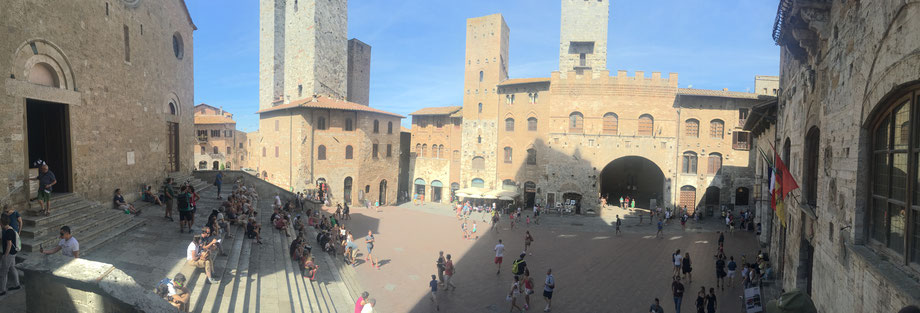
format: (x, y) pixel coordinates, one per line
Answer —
(528, 239)
(440, 264)
(46, 182)
(361, 301)
(515, 293)
(676, 257)
(660, 227)
(720, 272)
(518, 266)
(549, 285)
(369, 241)
(15, 218)
(732, 266)
(449, 271)
(711, 303)
(170, 193)
(687, 268)
(701, 300)
(499, 254)
(218, 182)
(655, 307)
(68, 245)
(433, 284)
(527, 281)
(678, 289)
(619, 222)
(9, 245)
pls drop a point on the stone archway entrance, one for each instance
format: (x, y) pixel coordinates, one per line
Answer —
(633, 176)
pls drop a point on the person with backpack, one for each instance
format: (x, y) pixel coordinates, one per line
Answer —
(10, 246)
(518, 266)
(175, 292)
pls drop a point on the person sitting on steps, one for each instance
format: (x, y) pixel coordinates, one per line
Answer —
(150, 196)
(199, 256)
(121, 205)
(253, 229)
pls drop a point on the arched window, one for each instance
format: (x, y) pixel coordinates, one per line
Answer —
(646, 125)
(456, 155)
(478, 183)
(532, 124)
(376, 126)
(479, 163)
(812, 150)
(441, 151)
(611, 123)
(509, 124)
(202, 165)
(321, 123)
(893, 203)
(688, 197)
(717, 129)
(692, 128)
(389, 131)
(507, 154)
(44, 74)
(480, 76)
(173, 109)
(689, 163)
(715, 163)
(321, 152)
(216, 151)
(509, 185)
(228, 150)
(349, 152)
(418, 149)
(480, 107)
(425, 150)
(576, 122)
(531, 156)
(349, 126)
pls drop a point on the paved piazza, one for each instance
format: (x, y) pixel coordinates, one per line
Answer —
(595, 270)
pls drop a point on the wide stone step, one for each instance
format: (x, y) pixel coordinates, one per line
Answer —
(58, 214)
(56, 198)
(112, 233)
(87, 230)
(76, 216)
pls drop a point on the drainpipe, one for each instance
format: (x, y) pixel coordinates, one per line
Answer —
(291, 150)
(678, 167)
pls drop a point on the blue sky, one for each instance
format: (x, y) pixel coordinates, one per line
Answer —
(418, 46)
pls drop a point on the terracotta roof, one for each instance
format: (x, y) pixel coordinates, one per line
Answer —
(321, 102)
(515, 81)
(437, 110)
(213, 119)
(720, 93)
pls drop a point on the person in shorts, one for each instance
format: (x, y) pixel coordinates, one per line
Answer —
(433, 284)
(549, 285)
(677, 258)
(499, 254)
(732, 266)
(720, 272)
(184, 206)
(369, 241)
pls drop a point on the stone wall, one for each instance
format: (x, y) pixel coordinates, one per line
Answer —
(55, 283)
(583, 22)
(116, 90)
(841, 64)
(359, 72)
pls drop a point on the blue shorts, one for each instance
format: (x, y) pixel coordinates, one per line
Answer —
(369, 249)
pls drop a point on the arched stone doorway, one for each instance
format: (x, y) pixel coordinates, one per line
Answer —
(742, 195)
(712, 199)
(633, 176)
(203, 165)
(530, 194)
(346, 188)
(436, 187)
(215, 166)
(420, 187)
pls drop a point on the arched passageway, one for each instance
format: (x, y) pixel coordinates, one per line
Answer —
(633, 176)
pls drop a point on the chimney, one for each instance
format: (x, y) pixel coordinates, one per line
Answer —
(221, 110)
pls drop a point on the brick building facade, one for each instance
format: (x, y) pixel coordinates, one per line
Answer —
(850, 236)
(219, 145)
(581, 133)
(100, 90)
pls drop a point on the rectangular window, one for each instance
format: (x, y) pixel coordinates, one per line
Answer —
(741, 140)
(389, 150)
(277, 152)
(375, 148)
(215, 133)
(228, 150)
(127, 45)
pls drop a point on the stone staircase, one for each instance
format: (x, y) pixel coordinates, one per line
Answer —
(256, 277)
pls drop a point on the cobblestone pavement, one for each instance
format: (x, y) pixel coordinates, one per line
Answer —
(595, 269)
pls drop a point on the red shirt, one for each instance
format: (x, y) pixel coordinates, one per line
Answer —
(449, 268)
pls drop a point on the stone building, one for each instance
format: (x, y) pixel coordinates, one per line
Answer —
(435, 167)
(308, 132)
(850, 236)
(100, 90)
(219, 145)
(581, 133)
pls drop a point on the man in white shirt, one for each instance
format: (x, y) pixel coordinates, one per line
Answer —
(369, 306)
(499, 253)
(200, 259)
(68, 245)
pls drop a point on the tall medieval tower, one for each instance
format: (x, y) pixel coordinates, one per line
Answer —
(583, 36)
(303, 49)
(487, 40)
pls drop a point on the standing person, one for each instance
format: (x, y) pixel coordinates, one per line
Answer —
(528, 239)
(369, 306)
(68, 245)
(8, 256)
(640, 218)
(619, 222)
(527, 281)
(369, 241)
(732, 266)
(660, 226)
(15, 218)
(433, 284)
(361, 301)
(518, 266)
(711, 302)
(655, 307)
(499, 254)
(183, 201)
(621, 201)
(218, 181)
(687, 268)
(548, 286)
(345, 212)
(720, 272)
(677, 260)
(721, 239)
(46, 181)
(495, 221)
(170, 193)
(678, 290)
(440, 264)
(449, 271)
(632, 205)
(701, 300)
(515, 293)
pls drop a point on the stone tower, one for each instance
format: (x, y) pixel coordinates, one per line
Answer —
(487, 41)
(583, 36)
(359, 71)
(303, 49)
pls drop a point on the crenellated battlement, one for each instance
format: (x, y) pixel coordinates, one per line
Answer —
(621, 77)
